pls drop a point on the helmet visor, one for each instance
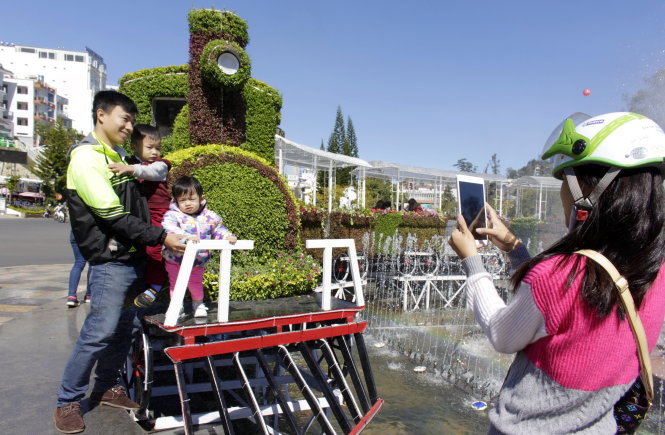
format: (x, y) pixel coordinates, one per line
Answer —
(577, 118)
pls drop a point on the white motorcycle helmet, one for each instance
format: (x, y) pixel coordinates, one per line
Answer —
(617, 140)
(621, 139)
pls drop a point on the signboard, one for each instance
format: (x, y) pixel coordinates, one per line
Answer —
(3, 204)
(11, 156)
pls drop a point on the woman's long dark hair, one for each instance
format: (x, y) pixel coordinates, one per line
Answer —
(626, 226)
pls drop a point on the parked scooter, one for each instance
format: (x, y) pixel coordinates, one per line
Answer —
(60, 213)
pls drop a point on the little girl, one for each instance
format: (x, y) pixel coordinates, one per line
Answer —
(189, 216)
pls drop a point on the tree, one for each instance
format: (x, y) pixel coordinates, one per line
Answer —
(377, 190)
(351, 140)
(338, 135)
(52, 163)
(494, 165)
(12, 185)
(534, 167)
(649, 101)
(343, 141)
(448, 202)
(463, 165)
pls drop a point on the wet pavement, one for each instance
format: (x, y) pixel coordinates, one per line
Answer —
(37, 333)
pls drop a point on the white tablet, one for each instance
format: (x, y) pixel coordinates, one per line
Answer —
(471, 203)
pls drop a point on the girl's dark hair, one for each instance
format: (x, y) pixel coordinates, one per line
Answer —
(626, 226)
(184, 185)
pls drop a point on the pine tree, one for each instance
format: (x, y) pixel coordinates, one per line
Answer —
(338, 135)
(52, 163)
(351, 139)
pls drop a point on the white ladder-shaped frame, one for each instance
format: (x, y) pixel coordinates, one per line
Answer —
(327, 245)
(171, 318)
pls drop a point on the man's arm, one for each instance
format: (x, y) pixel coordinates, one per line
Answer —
(93, 185)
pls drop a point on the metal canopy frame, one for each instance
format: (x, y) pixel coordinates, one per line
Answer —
(441, 178)
(288, 152)
(544, 185)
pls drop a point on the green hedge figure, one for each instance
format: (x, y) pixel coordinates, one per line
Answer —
(224, 104)
(219, 125)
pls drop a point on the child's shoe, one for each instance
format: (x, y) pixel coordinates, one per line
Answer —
(146, 298)
(87, 299)
(72, 302)
(201, 311)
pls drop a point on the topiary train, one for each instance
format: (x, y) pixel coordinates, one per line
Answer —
(213, 100)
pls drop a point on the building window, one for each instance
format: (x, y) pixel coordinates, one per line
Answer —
(43, 54)
(21, 89)
(51, 55)
(78, 58)
(94, 64)
(4, 88)
(27, 50)
(21, 105)
(50, 97)
(22, 121)
(69, 57)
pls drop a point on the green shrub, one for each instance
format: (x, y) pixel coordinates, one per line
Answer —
(387, 224)
(266, 277)
(213, 74)
(145, 85)
(229, 24)
(252, 197)
(263, 116)
(179, 137)
(526, 229)
(34, 210)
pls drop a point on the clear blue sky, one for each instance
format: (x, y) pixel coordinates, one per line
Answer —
(425, 82)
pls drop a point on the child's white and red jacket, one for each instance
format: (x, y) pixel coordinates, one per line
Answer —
(205, 224)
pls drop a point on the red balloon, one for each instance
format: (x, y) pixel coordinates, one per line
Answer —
(586, 92)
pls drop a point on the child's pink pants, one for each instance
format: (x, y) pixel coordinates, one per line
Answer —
(195, 283)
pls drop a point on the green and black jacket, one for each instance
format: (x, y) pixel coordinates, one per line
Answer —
(109, 215)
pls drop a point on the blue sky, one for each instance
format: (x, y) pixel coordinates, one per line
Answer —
(425, 82)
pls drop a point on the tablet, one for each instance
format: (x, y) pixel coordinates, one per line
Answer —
(471, 203)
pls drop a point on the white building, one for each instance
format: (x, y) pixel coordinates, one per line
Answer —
(29, 101)
(77, 75)
(6, 124)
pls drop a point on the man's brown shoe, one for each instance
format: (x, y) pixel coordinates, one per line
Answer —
(116, 397)
(68, 418)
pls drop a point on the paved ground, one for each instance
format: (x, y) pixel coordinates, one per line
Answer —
(37, 333)
(33, 241)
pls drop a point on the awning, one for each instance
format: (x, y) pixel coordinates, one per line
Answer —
(31, 195)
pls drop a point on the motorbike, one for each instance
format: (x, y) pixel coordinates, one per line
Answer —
(60, 213)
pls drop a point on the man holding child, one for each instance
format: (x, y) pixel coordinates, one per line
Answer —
(111, 224)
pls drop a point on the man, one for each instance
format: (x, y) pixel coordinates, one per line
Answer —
(111, 223)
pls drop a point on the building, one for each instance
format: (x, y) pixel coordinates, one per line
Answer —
(6, 124)
(30, 101)
(77, 75)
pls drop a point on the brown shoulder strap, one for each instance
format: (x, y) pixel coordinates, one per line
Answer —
(633, 318)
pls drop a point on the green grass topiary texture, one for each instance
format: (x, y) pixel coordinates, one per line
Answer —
(179, 138)
(251, 196)
(145, 85)
(232, 26)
